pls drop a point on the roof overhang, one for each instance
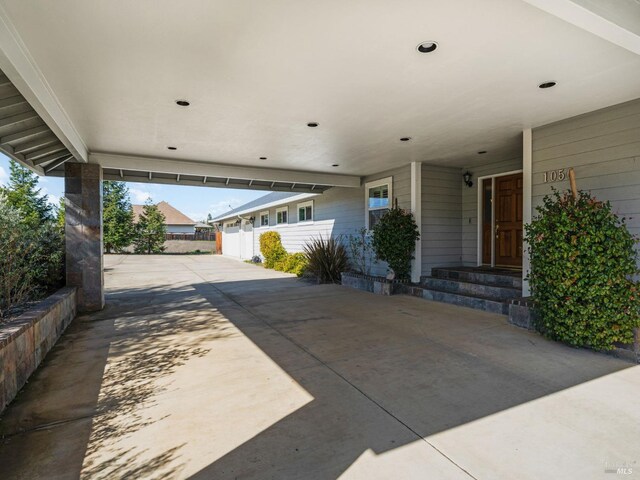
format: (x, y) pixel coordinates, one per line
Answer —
(263, 207)
(167, 171)
(599, 18)
(100, 86)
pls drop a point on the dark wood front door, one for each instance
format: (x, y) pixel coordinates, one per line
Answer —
(508, 220)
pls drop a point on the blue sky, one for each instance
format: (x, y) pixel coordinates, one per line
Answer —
(195, 202)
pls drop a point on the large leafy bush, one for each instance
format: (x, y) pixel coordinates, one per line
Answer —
(31, 258)
(271, 248)
(582, 267)
(327, 258)
(394, 240)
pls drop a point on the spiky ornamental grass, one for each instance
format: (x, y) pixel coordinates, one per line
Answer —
(326, 259)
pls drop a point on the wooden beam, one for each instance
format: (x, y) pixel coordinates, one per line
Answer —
(12, 101)
(55, 165)
(45, 151)
(37, 143)
(31, 132)
(51, 157)
(15, 119)
(217, 170)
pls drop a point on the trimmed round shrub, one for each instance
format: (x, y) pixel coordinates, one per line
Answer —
(271, 248)
(583, 263)
(394, 240)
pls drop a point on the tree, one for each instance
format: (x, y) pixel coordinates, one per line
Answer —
(117, 216)
(23, 194)
(209, 218)
(150, 230)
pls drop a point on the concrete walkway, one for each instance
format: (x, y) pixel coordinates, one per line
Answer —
(207, 368)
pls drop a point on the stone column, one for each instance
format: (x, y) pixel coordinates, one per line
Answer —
(83, 233)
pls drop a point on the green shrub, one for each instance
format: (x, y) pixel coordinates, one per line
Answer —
(326, 259)
(582, 264)
(394, 240)
(271, 248)
(292, 263)
(31, 258)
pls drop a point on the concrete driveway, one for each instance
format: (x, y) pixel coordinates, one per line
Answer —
(207, 368)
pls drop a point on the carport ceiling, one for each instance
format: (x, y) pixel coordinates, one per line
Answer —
(256, 72)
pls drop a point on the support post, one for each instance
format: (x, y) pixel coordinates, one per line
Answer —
(416, 209)
(83, 234)
(527, 166)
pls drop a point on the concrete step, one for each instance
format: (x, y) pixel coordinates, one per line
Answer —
(470, 301)
(474, 275)
(483, 290)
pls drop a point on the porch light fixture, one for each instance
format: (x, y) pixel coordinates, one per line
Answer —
(405, 139)
(467, 178)
(547, 85)
(427, 47)
(312, 124)
(182, 103)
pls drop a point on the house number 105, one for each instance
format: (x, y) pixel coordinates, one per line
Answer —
(554, 175)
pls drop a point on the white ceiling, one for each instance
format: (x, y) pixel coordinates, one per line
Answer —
(256, 72)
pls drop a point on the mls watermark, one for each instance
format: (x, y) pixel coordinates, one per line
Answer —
(621, 468)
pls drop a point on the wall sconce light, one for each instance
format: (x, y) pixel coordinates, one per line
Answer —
(467, 178)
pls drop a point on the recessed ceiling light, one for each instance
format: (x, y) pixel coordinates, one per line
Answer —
(427, 47)
(547, 85)
(312, 124)
(482, 152)
(172, 148)
(263, 158)
(335, 165)
(405, 139)
(182, 103)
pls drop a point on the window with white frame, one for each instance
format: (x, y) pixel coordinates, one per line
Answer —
(282, 215)
(305, 211)
(264, 219)
(378, 195)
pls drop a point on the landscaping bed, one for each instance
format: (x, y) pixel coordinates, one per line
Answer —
(27, 338)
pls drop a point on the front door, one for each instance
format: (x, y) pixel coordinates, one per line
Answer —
(508, 220)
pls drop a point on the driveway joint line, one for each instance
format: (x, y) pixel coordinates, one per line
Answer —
(335, 372)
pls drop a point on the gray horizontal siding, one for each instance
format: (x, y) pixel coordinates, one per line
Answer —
(470, 204)
(603, 147)
(338, 212)
(441, 209)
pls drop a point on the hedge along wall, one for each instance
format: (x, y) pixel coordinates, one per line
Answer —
(26, 340)
(603, 147)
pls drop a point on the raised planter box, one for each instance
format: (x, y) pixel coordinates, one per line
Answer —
(371, 283)
(26, 340)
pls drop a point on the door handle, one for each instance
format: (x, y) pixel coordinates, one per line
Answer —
(497, 229)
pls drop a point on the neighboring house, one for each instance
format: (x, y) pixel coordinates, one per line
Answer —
(464, 225)
(175, 220)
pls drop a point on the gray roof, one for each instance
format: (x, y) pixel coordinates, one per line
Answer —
(258, 202)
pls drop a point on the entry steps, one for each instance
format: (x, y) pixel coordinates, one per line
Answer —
(483, 289)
